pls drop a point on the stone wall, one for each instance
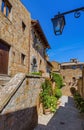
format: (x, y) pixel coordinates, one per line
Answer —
(69, 74)
(81, 84)
(19, 108)
(38, 52)
(56, 66)
(11, 32)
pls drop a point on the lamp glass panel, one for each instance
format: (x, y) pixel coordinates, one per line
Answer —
(58, 24)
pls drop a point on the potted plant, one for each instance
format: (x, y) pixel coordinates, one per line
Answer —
(46, 104)
(47, 98)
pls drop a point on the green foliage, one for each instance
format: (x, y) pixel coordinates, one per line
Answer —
(58, 80)
(49, 102)
(46, 101)
(79, 101)
(57, 93)
(53, 104)
(46, 87)
(37, 73)
(47, 97)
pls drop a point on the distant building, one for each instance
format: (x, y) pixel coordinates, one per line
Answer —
(72, 70)
(56, 66)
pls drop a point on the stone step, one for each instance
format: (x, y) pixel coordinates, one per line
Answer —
(4, 79)
(8, 91)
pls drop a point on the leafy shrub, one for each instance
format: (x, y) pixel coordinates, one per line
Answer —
(57, 93)
(58, 80)
(53, 104)
(46, 101)
(46, 87)
(47, 97)
(79, 101)
(50, 102)
(37, 73)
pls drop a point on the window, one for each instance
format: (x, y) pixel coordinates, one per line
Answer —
(6, 8)
(34, 65)
(22, 59)
(34, 37)
(74, 67)
(81, 67)
(35, 40)
(23, 26)
(63, 67)
(47, 70)
(40, 62)
(64, 77)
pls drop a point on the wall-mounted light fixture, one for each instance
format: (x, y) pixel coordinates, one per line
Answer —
(59, 20)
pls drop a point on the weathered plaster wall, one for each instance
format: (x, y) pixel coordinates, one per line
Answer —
(11, 32)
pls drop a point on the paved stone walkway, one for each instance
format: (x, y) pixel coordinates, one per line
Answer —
(67, 117)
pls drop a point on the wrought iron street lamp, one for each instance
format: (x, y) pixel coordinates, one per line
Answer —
(59, 20)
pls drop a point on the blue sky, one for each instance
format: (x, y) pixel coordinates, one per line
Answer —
(71, 43)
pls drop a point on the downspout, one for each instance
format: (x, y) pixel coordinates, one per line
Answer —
(29, 49)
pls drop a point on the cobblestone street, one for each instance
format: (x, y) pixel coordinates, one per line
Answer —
(67, 116)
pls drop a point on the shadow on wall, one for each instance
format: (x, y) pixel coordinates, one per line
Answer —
(66, 118)
(25, 119)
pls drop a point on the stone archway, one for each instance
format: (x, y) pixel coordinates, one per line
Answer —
(34, 64)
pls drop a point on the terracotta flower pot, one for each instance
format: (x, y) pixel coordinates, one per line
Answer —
(47, 111)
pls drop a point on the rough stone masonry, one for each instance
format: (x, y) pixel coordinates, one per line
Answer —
(15, 35)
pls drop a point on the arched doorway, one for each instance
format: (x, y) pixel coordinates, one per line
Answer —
(34, 65)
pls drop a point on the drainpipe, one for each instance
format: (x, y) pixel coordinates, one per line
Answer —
(29, 49)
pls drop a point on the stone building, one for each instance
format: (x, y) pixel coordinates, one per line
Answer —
(22, 49)
(38, 46)
(80, 84)
(71, 71)
(15, 23)
(56, 66)
(22, 42)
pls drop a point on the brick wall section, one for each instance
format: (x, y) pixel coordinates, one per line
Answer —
(11, 32)
(21, 111)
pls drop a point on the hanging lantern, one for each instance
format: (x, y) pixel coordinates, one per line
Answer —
(58, 24)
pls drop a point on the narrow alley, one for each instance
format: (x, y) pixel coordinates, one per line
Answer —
(67, 116)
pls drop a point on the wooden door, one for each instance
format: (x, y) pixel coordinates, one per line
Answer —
(4, 55)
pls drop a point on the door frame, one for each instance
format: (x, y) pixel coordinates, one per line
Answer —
(6, 44)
